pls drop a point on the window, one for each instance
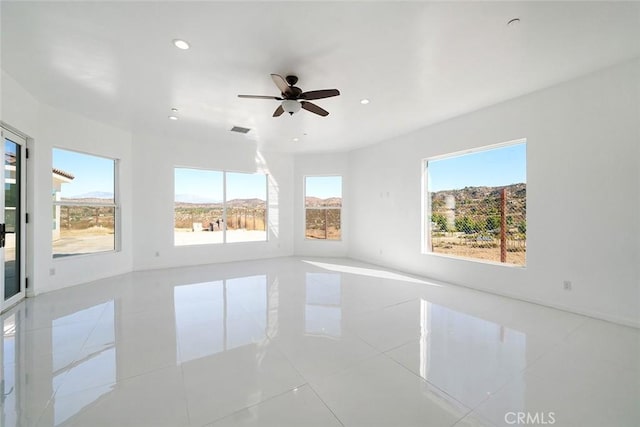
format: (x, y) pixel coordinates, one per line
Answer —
(216, 207)
(84, 203)
(198, 207)
(475, 204)
(246, 206)
(323, 207)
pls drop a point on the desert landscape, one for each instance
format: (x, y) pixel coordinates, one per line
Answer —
(466, 223)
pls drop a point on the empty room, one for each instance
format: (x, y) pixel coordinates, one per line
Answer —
(320, 213)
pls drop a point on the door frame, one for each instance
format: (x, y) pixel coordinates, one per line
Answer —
(21, 141)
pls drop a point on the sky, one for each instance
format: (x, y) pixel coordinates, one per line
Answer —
(91, 173)
(207, 186)
(323, 187)
(501, 166)
(491, 168)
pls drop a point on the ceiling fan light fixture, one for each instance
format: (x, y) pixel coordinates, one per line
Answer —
(291, 106)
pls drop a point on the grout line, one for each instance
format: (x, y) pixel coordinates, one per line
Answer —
(326, 405)
(433, 385)
(254, 404)
(184, 390)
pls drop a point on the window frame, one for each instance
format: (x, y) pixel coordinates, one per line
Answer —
(426, 231)
(117, 226)
(224, 205)
(305, 208)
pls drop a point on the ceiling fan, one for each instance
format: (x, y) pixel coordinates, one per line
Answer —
(293, 98)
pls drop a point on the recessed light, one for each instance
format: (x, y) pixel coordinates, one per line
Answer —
(364, 101)
(173, 117)
(296, 139)
(181, 44)
(175, 110)
(513, 22)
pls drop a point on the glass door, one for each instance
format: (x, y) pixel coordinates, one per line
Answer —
(12, 219)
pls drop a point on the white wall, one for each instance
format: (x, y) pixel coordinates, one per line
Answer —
(18, 108)
(69, 131)
(48, 127)
(583, 196)
(320, 164)
(155, 159)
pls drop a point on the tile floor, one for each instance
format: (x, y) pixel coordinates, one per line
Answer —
(308, 342)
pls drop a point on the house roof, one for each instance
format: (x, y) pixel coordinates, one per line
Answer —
(10, 158)
(64, 174)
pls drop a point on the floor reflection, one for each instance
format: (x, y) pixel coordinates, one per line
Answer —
(466, 356)
(9, 396)
(323, 313)
(92, 371)
(212, 317)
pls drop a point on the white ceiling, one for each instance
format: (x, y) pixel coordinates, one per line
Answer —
(418, 62)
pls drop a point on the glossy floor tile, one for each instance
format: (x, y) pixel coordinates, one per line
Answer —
(308, 342)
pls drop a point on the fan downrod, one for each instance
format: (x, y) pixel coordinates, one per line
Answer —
(292, 80)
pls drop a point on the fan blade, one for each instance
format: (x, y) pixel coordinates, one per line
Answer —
(319, 94)
(281, 83)
(314, 108)
(278, 111)
(277, 98)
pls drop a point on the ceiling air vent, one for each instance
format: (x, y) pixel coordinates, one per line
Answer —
(240, 129)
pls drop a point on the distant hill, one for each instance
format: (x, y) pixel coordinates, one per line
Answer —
(477, 202)
(245, 203)
(235, 203)
(316, 202)
(91, 195)
(193, 198)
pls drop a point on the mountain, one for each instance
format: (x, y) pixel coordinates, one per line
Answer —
(314, 202)
(480, 202)
(194, 198)
(203, 203)
(92, 195)
(241, 203)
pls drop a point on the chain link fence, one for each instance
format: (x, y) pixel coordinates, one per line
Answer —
(487, 223)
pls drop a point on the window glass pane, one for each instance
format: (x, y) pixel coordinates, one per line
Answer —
(476, 205)
(82, 177)
(198, 207)
(323, 224)
(323, 191)
(83, 230)
(323, 202)
(83, 203)
(246, 207)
